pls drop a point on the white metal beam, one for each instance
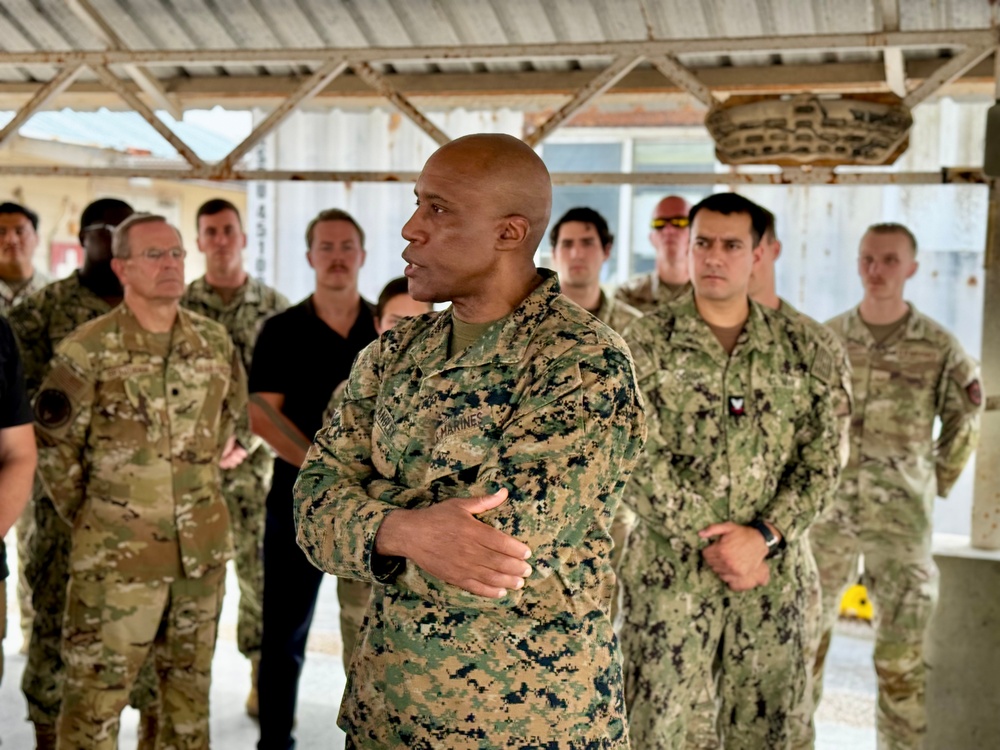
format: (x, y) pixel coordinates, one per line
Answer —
(146, 81)
(318, 81)
(892, 58)
(594, 88)
(946, 73)
(112, 81)
(787, 176)
(377, 81)
(674, 71)
(46, 92)
(952, 38)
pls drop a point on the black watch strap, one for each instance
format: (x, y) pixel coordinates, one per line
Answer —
(770, 539)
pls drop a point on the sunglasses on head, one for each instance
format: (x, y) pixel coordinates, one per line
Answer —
(678, 222)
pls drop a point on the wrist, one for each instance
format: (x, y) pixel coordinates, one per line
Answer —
(388, 539)
(770, 535)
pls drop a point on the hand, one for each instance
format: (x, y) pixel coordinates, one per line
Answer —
(233, 454)
(449, 542)
(737, 553)
(760, 577)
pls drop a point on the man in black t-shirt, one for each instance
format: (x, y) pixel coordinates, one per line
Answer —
(17, 454)
(300, 357)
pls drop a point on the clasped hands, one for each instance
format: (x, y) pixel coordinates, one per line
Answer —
(736, 555)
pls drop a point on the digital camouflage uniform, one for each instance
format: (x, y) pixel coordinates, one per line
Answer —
(131, 427)
(352, 595)
(245, 486)
(40, 322)
(803, 730)
(884, 508)
(645, 293)
(543, 404)
(747, 436)
(25, 525)
(702, 732)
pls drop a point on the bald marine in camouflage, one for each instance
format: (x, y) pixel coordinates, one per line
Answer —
(740, 459)
(40, 322)
(228, 295)
(134, 418)
(908, 370)
(581, 244)
(469, 441)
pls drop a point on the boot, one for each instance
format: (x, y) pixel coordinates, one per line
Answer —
(253, 706)
(45, 737)
(149, 725)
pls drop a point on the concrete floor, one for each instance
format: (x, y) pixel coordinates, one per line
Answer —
(845, 720)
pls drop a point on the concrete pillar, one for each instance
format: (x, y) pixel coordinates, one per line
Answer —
(986, 493)
(963, 649)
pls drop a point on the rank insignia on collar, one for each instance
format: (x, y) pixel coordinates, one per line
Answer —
(736, 406)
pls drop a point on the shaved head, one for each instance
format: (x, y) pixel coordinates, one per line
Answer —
(510, 176)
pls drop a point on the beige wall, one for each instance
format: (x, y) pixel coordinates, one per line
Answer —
(60, 200)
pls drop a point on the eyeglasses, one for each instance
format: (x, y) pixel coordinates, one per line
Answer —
(109, 228)
(155, 256)
(678, 222)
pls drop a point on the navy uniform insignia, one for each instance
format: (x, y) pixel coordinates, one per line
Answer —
(52, 408)
(975, 393)
(737, 406)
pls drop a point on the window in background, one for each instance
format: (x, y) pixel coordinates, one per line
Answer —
(605, 199)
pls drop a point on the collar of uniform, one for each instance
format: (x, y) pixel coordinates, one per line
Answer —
(691, 330)
(248, 292)
(36, 282)
(185, 338)
(604, 308)
(914, 330)
(503, 344)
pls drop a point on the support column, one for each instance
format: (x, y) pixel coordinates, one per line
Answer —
(986, 492)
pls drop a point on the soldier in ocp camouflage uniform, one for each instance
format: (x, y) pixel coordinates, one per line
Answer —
(133, 418)
(908, 370)
(527, 397)
(41, 321)
(581, 244)
(393, 305)
(670, 278)
(742, 454)
(18, 281)
(228, 295)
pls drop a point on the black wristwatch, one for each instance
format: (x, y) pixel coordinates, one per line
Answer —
(772, 542)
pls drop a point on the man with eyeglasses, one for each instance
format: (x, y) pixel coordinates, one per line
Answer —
(40, 322)
(134, 418)
(227, 294)
(668, 234)
(19, 280)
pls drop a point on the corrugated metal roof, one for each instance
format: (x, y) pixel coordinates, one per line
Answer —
(122, 131)
(50, 25)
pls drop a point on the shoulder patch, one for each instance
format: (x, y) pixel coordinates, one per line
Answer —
(975, 393)
(52, 408)
(823, 366)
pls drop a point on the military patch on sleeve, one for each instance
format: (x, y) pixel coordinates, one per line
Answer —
(822, 368)
(52, 408)
(975, 393)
